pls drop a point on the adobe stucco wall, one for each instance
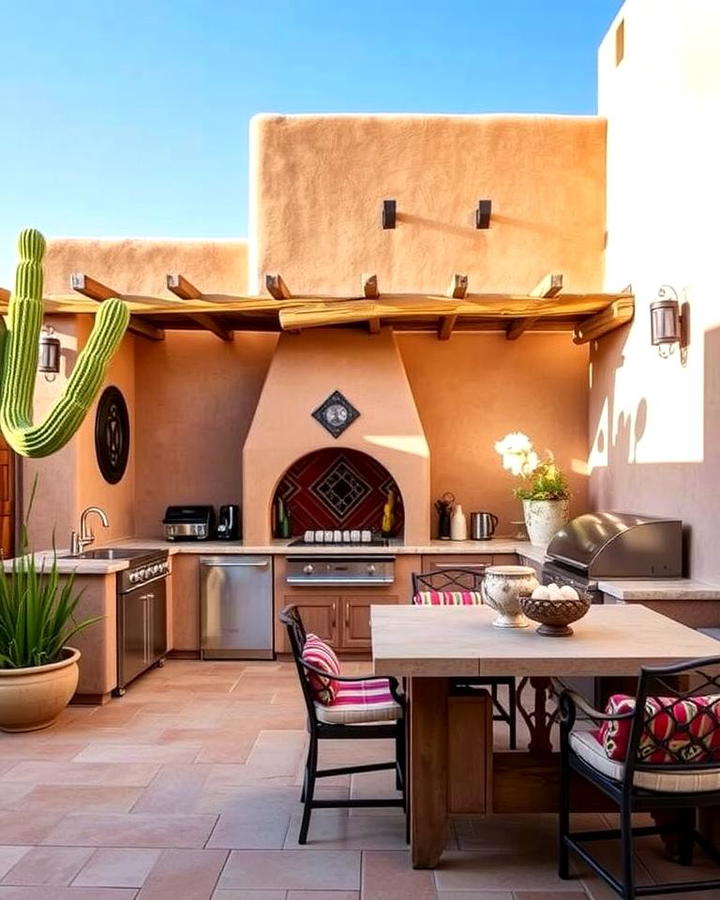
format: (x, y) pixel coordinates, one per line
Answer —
(318, 182)
(654, 424)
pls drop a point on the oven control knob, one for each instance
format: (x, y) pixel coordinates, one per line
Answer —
(308, 569)
(133, 577)
(371, 570)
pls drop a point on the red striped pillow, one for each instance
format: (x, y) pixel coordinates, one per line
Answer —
(689, 725)
(448, 598)
(321, 655)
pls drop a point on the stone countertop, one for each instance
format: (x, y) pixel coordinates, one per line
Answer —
(626, 590)
(660, 589)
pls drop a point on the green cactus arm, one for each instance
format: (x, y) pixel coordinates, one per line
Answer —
(19, 360)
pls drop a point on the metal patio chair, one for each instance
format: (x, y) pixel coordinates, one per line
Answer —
(667, 723)
(362, 729)
(460, 579)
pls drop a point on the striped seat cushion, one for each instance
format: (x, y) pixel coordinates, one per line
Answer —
(448, 598)
(321, 655)
(360, 701)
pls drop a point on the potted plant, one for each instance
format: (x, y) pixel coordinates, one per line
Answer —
(543, 491)
(38, 670)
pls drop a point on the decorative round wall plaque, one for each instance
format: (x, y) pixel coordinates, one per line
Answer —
(112, 434)
(336, 414)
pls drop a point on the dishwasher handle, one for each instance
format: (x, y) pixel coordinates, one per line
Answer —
(236, 565)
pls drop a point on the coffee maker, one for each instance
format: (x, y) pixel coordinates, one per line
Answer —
(228, 523)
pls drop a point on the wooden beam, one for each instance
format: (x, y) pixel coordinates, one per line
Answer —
(143, 328)
(371, 292)
(277, 288)
(370, 287)
(96, 290)
(477, 306)
(458, 287)
(548, 286)
(4, 295)
(182, 288)
(91, 288)
(185, 290)
(617, 314)
(457, 290)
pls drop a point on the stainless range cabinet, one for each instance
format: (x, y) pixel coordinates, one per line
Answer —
(236, 607)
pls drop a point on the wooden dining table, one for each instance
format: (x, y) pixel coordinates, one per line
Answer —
(453, 770)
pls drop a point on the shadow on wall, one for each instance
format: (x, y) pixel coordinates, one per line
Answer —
(621, 481)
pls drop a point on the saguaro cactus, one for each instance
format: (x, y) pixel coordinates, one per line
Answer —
(19, 357)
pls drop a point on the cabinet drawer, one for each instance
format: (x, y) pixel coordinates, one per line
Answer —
(456, 560)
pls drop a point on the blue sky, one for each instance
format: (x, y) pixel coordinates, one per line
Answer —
(130, 117)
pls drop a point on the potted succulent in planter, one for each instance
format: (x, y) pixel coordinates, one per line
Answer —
(544, 491)
(38, 670)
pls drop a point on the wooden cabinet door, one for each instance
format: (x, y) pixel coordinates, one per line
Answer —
(356, 618)
(320, 615)
(6, 500)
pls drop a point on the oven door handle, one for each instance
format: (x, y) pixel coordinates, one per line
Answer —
(237, 565)
(310, 581)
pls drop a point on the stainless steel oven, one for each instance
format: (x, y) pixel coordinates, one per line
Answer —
(141, 616)
(343, 570)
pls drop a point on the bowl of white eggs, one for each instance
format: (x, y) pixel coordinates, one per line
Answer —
(555, 608)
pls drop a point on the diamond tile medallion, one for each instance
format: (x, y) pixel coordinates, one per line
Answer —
(336, 414)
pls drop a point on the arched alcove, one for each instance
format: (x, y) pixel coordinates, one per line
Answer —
(337, 488)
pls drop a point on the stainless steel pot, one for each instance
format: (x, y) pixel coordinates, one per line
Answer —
(482, 526)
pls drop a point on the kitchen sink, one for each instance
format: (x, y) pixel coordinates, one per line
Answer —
(112, 553)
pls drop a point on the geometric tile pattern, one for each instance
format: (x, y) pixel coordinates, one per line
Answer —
(338, 489)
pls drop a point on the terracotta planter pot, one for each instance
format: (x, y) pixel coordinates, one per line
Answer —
(543, 518)
(31, 699)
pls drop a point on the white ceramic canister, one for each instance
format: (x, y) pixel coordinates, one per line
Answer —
(458, 524)
(502, 587)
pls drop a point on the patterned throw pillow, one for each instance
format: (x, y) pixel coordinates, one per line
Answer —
(321, 655)
(690, 728)
(448, 598)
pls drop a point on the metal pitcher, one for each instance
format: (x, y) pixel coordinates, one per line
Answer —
(482, 526)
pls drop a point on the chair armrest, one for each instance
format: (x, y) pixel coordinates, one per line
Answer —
(570, 702)
(349, 679)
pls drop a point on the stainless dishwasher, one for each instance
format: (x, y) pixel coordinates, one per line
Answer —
(236, 607)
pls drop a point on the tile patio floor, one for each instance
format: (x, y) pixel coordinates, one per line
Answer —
(187, 789)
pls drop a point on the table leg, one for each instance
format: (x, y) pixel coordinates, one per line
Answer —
(538, 720)
(428, 783)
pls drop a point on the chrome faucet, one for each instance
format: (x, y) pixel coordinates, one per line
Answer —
(78, 542)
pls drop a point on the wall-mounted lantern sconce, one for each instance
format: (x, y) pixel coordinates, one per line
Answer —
(48, 353)
(482, 214)
(388, 213)
(667, 325)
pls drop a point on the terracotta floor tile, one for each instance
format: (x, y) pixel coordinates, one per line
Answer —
(386, 876)
(9, 856)
(117, 867)
(240, 831)
(66, 893)
(22, 748)
(337, 870)
(483, 895)
(88, 798)
(18, 829)
(48, 865)
(131, 830)
(184, 875)
(335, 830)
(512, 868)
(137, 753)
(175, 789)
(249, 895)
(63, 773)
(13, 793)
(323, 895)
(549, 895)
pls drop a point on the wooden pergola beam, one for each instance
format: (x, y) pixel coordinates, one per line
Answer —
(96, 290)
(276, 287)
(457, 289)
(371, 292)
(185, 290)
(4, 295)
(548, 286)
(618, 313)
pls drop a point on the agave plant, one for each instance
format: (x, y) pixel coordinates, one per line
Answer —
(37, 612)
